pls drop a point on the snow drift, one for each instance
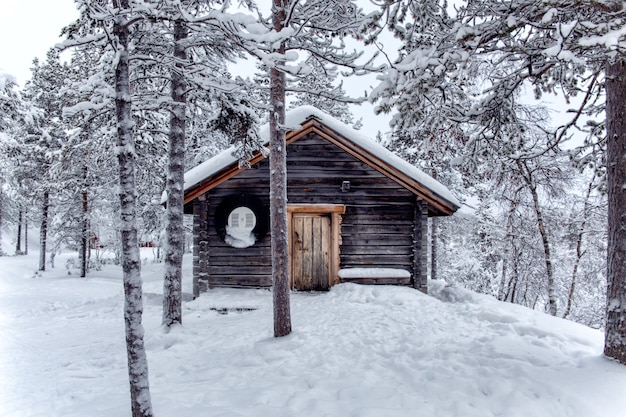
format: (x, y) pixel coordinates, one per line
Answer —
(355, 351)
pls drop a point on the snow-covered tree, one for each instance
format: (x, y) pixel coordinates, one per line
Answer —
(11, 107)
(315, 28)
(131, 263)
(586, 229)
(319, 89)
(574, 49)
(177, 52)
(110, 27)
(45, 138)
(278, 176)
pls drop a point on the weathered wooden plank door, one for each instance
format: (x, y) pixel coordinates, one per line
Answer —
(311, 252)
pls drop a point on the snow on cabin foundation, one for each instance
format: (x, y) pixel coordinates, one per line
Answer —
(356, 212)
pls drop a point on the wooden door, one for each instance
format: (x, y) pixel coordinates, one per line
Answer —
(311, 252)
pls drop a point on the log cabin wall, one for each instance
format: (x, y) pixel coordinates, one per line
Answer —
(200, 245)
(377, 229)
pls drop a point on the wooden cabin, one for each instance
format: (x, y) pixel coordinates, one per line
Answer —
(356, 212)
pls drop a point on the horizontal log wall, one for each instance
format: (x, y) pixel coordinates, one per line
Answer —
(376, 230)
(239, 267)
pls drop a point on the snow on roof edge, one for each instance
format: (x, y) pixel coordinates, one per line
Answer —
(294, 119)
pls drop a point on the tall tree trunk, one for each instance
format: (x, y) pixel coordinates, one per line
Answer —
(174, 233)
(512, 288)
(84, 236)
(615, 85)
(26, 233)
(579, 251)
(43, 230)
(141, 404)
(527, 175)
(1, 198)
(433, 239)
(18, 244)
(433, 247)
(502, 293)
(278, 185)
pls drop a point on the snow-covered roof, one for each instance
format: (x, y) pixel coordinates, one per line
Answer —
(363, 145)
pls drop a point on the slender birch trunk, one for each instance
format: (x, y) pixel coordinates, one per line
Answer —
(502, 293)
(278, 185)
(579, 251)
(141, 405)
(174, 233)
(615, 334)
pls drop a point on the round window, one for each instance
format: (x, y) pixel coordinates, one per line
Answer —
(242, 220)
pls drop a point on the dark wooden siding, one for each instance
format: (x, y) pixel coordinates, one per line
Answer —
(376, 229)
(239, 267)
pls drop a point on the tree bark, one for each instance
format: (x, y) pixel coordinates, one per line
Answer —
(502, 291)
(26, 233)
(141, 405)
(278, 186)
(528, 177)
(1, 197)
(511, 292)
(615, 334)
(434, 241)
(84, 236)
(18, 244)
(174, 233)
(43, 231)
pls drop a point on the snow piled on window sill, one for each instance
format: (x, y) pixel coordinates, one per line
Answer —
(239, 240)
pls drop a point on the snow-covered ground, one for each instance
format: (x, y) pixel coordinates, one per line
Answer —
(355, 351)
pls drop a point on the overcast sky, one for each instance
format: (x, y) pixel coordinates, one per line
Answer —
(28, 28)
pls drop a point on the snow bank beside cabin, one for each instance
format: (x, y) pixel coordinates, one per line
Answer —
(356, 350)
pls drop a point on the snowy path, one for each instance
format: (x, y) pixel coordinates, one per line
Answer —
(355, 351)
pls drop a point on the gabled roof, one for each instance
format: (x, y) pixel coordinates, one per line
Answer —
(307, 119)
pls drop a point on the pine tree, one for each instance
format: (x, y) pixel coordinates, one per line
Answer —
(615, 72)
(319, 89)
(10, 114)
(189, 58)
(574, 48)
(45, 135)
(314, 28)
(131, 263)
(172, 282)
(110, 27)
(278, 181)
